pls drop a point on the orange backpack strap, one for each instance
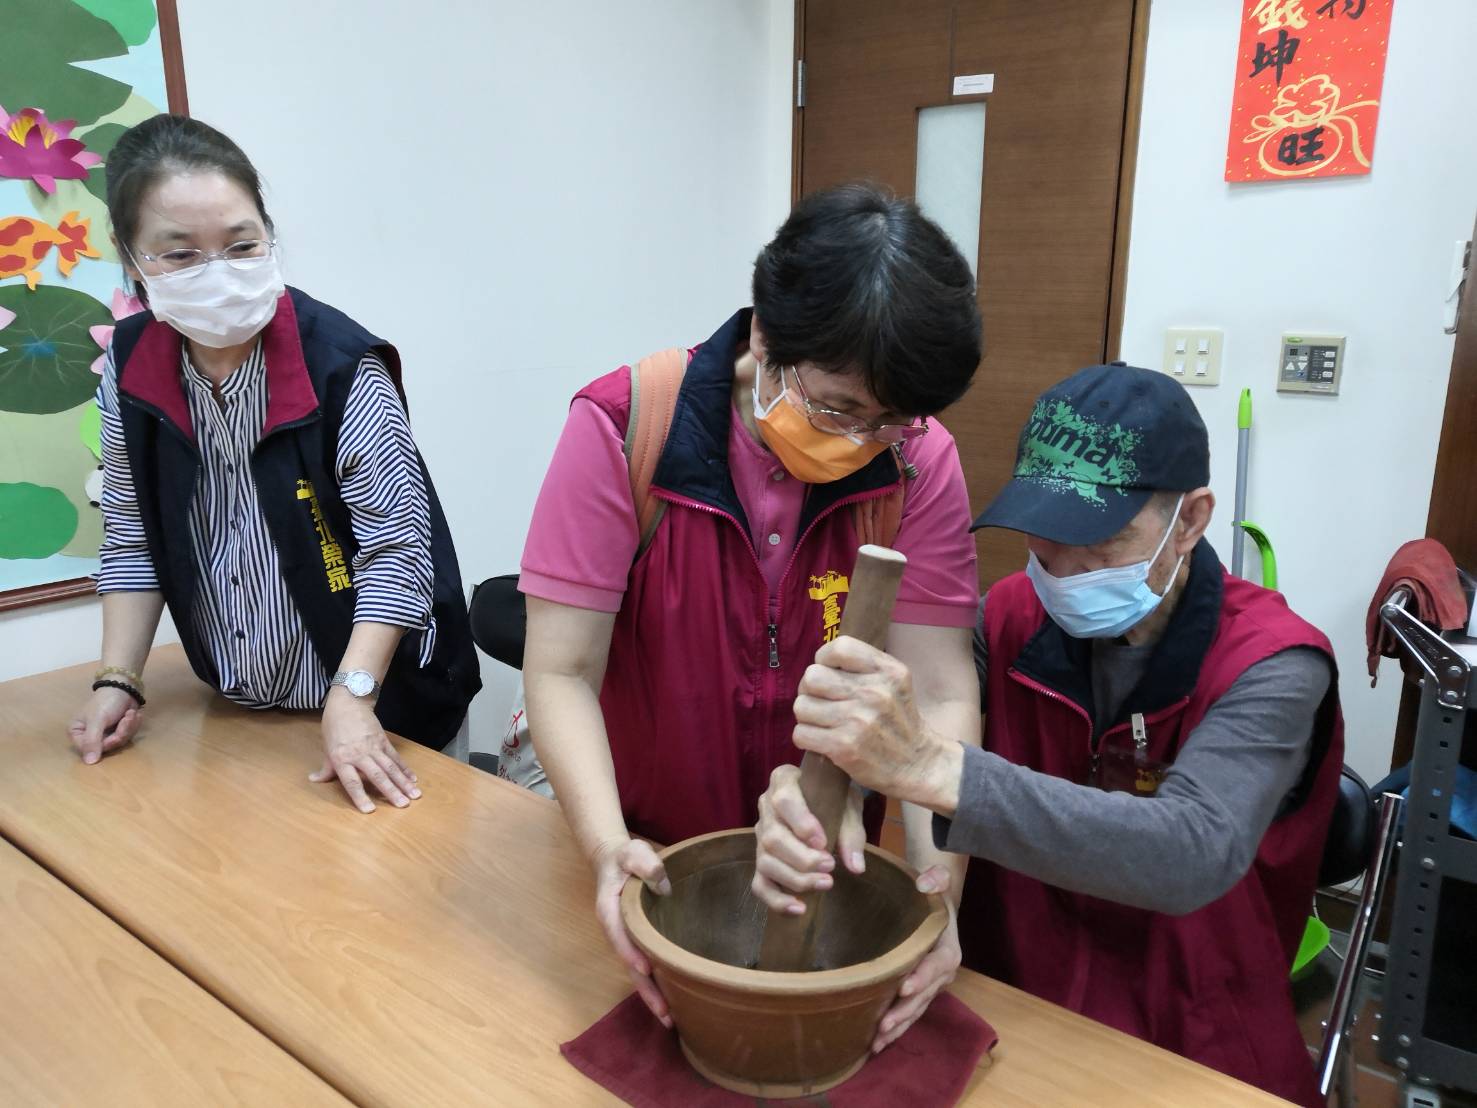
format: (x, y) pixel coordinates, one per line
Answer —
(878, 520)
(655, 382)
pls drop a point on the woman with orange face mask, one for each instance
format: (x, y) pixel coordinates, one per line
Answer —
(680, 577)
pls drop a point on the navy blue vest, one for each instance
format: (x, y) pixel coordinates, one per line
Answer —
(312, 352)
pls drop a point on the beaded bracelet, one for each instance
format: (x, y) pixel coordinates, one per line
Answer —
(107, 683)
(118, 671)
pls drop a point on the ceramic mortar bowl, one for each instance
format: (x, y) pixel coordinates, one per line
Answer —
(775, 1034)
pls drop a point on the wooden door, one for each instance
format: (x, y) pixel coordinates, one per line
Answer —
(1453, 513)
(1053, 172)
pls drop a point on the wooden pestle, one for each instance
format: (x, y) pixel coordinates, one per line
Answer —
(789, 941)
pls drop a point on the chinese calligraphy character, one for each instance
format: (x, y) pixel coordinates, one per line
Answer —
(1279, 13)
(1301, 147)
(333, 554)
(338, 580)
(1279, 56)
(1352, 8)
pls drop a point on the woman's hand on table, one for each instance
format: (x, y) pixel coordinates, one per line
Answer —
(358, 753)
(107, 719)
(614, 863)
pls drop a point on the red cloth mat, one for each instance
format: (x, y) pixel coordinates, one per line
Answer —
(636, 1058)
(1424, 567)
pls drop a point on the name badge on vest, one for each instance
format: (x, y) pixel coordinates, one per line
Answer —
(1125, 769)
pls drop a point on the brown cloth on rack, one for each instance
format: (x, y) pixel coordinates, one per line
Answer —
(640, 1061)
(1424, 567)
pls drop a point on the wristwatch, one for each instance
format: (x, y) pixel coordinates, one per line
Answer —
(359, 682)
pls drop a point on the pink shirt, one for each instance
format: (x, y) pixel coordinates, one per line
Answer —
(583, 537)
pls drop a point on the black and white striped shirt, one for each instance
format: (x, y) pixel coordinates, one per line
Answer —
(242, 611)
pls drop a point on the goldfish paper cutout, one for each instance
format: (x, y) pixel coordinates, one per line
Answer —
(33, 147)
(25, 241)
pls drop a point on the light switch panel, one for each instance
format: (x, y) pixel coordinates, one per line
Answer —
(1192, 355)
(1310, 363)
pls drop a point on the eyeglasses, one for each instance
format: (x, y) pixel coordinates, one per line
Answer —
(839, 423)
(192, 262)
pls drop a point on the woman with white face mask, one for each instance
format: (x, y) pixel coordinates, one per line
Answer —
(260, 479)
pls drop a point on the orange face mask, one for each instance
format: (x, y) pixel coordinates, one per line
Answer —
(808, 454)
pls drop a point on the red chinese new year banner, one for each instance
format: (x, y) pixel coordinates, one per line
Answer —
(1309, 75)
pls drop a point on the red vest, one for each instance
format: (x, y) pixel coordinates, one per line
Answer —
(1211, 985)
(704, 662)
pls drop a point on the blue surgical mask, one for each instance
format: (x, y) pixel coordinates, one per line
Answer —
(1105, 603)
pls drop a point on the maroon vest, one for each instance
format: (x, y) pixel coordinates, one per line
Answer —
(704, 662)
(1212, 985)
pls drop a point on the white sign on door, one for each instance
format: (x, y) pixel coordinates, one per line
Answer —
(974, 84)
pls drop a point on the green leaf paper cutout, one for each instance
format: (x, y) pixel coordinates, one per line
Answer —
(46, 450)
(41, 39)
(47, 363)
(35, 522)
(100, 141)
(90, 428)
(134, 19)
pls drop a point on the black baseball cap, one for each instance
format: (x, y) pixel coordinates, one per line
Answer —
(1096, 448)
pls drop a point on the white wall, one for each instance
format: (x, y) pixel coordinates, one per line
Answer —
(521, 196)
(1340, 482)
(50, 636)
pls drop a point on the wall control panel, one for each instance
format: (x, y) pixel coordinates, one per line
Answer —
(1311, 363)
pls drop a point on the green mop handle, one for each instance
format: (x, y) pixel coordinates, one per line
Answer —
(1243, 452)
(1264, 545)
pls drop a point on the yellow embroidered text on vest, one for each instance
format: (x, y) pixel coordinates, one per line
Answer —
(333, 554)
(827, 588)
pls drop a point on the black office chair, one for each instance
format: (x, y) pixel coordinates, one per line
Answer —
(1346, 851)
(1361, 842)
(499, 619)
(499, 625)
(1351, 832)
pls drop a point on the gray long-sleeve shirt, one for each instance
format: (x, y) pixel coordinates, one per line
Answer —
(1183, 847)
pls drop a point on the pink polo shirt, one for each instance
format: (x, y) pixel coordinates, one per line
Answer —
(583, 537)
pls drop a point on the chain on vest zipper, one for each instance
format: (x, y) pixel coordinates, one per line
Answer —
(1140, 740)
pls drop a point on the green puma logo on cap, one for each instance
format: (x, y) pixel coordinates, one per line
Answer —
(1061, 448)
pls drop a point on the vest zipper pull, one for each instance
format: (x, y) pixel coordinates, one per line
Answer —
(774, 646)
(1140, 739)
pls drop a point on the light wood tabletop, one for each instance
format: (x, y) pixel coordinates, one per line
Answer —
(434, 955)
(89, 1015)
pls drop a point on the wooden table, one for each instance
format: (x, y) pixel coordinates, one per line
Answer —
(89, 1015)
(429, 956)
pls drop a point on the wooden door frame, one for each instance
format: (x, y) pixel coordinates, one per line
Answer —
(1451, 518)
(1127, 159)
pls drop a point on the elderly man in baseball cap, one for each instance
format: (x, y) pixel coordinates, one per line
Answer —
(1161, 747)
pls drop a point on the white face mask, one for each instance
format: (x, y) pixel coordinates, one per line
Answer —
(223, 306)
(1104, 603)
